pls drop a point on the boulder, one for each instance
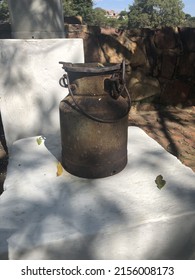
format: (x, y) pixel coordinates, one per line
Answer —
(165, 38)
(168, 65)
(175, 92)
(187, 36)
(187, 65)
(142, 86)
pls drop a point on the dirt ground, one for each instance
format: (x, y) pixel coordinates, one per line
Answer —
(173, 128)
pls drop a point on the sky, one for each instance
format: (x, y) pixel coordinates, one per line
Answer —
(120, 5)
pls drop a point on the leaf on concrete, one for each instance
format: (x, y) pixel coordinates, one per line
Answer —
(39, 140)
(59, 169)
(160, 182)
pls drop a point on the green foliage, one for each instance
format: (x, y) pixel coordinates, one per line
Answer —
(142, 14)
(69, 8)
(99, 17)
(112, 22)
(156, 13)
(90, 16)
(4, 11)
(189, 21)
(83, 8)
(123, 19)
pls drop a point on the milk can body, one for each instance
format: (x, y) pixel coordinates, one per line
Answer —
(93, 123)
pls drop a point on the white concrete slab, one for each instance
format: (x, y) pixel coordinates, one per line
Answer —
(30, 92)
(124, 216)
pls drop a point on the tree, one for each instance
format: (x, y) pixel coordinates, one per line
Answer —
(189, 21)
(69, 8)
(123, 19)
(156, 13)
(83, 8)
(99, 17)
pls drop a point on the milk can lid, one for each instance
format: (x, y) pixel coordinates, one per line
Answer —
(90, 67)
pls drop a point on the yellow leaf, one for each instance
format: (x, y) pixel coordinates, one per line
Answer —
(59, 169)
(39, 140)
(100, 65)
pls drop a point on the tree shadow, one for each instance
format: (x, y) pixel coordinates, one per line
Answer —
(61, 221)
(173, 149)
(31, 95)
(3, 156)
(75, 215)
(4, 247)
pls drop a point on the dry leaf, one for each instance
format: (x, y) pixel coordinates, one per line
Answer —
(100, 65)
(39, 140)
(59, 169)
(160, 182)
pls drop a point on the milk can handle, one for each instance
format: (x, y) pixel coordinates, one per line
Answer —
(64, 81)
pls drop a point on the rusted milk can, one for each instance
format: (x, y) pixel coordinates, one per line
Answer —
(94, 119)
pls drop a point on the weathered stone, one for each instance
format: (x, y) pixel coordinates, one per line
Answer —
(187, 65)
(165, 38)
(73, 20)
(175, 92)
(139, 35)
(117, 48)
(112, 50)
(166, 53)
(75, 30)
(168, 65)
(145, 107)
(187, 36)
(142, 86)
(93, 52)
(71, 28)
(163, 54)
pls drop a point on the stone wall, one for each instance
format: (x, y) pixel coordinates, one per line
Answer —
(161, 63)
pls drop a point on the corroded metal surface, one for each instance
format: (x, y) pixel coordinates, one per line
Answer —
(93, 126)
(92, 149)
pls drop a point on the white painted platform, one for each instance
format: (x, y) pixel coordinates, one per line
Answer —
(124, 216)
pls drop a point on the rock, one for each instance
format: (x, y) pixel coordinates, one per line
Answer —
(187, 36)
(166, 53)
(165, 38)
(109, 46)
(175, 92)
(142, 86)
(145, 107)
(187, 65)
(168, 65)
(73, 20)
